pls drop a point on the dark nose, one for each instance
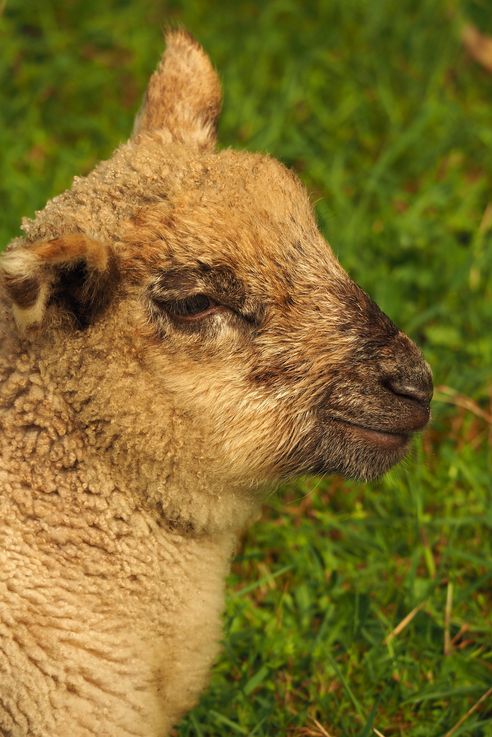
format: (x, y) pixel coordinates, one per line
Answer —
(414, 390)
(406, 374)
(418, 388)
(407, 379)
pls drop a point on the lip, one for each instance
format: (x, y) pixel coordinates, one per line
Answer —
(383, 438)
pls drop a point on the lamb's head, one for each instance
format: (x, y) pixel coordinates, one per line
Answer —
(206, 273)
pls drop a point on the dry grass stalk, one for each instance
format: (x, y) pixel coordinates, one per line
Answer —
(448, 643)
(316, 730)
(450, 396)
(322, 729)
(486, 221)
(470, 711)
(478, 45)
(404, 623)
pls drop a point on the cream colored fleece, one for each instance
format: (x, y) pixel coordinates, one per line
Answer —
(138, 432)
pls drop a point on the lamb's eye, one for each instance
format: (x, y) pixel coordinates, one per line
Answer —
(192, 308)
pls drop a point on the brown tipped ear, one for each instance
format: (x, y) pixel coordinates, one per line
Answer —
(73, 271)
(183, 95)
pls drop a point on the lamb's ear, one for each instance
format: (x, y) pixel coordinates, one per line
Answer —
(73, 271)
(183, 95)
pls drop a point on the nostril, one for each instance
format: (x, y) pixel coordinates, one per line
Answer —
(419, 391)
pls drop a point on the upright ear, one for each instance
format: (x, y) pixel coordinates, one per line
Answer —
(74, 271)
(183, 95)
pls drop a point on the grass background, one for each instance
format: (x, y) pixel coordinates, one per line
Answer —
(389, 123)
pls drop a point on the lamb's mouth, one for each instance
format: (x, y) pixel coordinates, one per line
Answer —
(387, 439)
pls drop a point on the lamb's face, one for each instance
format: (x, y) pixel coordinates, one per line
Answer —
(248, 326)
(262, 337)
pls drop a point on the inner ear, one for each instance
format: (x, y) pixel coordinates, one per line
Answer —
(84, 292)
(74, 273)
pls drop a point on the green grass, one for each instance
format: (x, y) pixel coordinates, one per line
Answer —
(389, 123)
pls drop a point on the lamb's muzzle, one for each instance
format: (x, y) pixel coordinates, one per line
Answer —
(411, 394)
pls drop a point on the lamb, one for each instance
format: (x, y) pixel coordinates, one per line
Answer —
(176, 336)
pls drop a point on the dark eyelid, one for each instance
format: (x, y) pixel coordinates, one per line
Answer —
(177, 283)
(217, 282)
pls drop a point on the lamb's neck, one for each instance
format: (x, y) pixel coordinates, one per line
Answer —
(123, 551)
(119, 616)
(118, 610)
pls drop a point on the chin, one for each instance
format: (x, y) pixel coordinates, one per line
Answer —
(350, 450)
(360, 463)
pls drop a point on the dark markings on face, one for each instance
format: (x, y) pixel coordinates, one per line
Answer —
(349, 313)
(217, 282)
(360, 315)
